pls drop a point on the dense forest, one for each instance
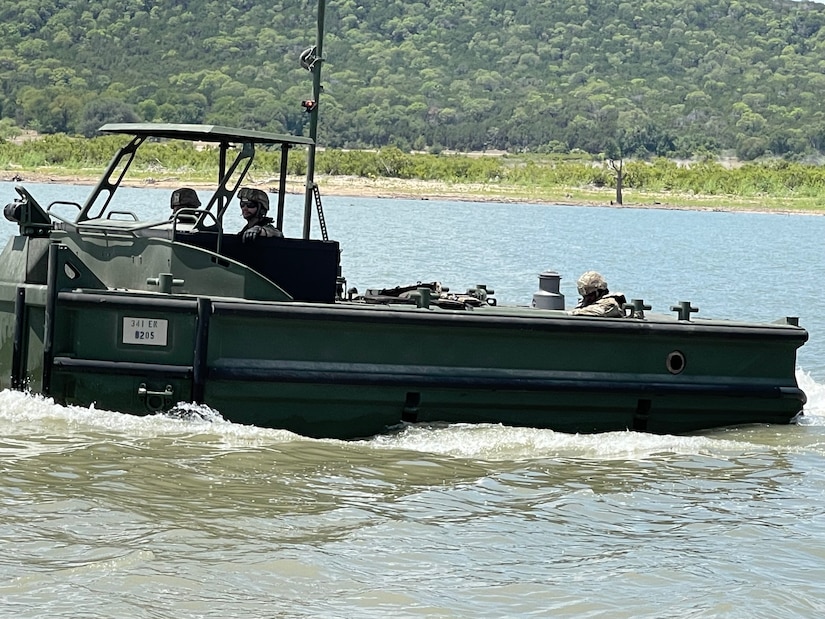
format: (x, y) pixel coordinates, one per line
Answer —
(633, 78)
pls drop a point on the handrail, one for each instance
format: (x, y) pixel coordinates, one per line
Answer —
(195, 211)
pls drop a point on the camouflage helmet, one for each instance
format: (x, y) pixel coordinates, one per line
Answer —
(184, 197)
(249, 194)
(590, 282)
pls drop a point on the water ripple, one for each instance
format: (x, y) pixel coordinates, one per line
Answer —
(111, 515)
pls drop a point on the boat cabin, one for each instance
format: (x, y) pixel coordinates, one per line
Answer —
(113, 241)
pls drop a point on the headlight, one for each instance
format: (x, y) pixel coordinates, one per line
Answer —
(12, 212)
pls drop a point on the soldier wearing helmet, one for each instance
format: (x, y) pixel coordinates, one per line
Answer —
(184, 198)
(596, 298)
(254, 207)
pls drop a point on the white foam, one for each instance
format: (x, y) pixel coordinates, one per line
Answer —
(498, 442)
(815, 407)
(23, 414)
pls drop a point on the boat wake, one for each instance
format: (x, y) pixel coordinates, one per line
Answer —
(23, 414)
(497, 442)
(188, 411)
(815, 408)
(491, 442)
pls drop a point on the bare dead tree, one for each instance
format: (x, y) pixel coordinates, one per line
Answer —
(617, 165)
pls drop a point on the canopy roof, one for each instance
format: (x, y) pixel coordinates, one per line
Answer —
(203, 133)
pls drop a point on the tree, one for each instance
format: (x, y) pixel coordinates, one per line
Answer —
(49, 110)
(515, 76)
(101, 111)
(618, 168)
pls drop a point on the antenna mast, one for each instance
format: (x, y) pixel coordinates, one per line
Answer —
(311, 60)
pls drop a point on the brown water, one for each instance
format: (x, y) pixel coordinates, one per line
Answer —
(106, 515)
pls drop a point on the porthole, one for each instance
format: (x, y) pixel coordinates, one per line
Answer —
(675, 362)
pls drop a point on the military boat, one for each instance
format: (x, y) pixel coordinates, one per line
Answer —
(140, 314)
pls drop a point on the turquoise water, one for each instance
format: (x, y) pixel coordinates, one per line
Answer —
(107, 515)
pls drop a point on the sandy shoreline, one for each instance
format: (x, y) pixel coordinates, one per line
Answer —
(330, 185)
(413, 189)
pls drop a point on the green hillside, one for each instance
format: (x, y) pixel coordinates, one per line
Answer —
(665, 77)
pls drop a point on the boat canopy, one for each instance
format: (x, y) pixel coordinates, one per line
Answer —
(203, 133)
(229, 173)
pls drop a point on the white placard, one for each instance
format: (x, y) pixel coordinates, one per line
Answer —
(145, 331)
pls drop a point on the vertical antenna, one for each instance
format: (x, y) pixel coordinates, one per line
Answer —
(311, 60)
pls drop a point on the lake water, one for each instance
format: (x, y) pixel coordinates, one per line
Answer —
(107, 515)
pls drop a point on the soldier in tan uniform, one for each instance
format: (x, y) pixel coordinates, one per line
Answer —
(596, 298)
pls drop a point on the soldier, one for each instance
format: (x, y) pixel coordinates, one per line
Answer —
(596, 298)
(254, 207)
(184, 198)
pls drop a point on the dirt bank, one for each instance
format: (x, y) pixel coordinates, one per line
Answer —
(414, 189)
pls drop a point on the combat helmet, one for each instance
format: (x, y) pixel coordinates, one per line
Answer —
(184, 197)
(249, 194)
(590, 282)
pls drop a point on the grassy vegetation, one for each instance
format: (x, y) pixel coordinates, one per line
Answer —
(774, 185)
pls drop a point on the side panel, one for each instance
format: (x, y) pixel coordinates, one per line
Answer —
(33, 345)
(7, 322)
(132, 355)
(30, 351)
(351, 371)
(121, 261)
